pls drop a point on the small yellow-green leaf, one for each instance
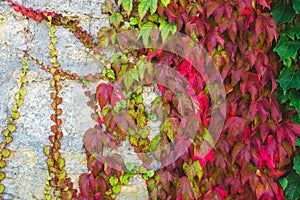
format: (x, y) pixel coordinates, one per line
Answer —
(5, 153)
(12, 127)
(20, 102)
(116, 189)
(2, 175)
(24, 79)
(2, 164)
(15, 115)
(2, 188)
(61, 163)
(47, 150)
(8, 139)
(23, 91)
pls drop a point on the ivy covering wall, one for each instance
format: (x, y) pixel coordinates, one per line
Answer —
(228, 77)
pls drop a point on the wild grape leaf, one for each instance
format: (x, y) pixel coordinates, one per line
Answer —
(292, 190)
(296, 5)
(296, 166)
(287, 48)
(283, 13)
(116, 19)
(127, 5)
(288, 78)
(144, 6)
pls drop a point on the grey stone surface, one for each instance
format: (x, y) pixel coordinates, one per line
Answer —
(26, 170)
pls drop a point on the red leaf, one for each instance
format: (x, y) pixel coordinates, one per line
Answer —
(235, 126)
(103, 94)
(87, 185)
(93, 141)
(265, 3)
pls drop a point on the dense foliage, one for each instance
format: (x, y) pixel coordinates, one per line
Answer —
(287, 18)
(258, 139)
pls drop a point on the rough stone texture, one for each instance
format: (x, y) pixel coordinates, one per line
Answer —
(26, 168)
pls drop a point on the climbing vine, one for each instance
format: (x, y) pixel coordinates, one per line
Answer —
(258, 139)
(286, 15)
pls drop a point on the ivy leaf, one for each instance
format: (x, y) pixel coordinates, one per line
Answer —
(292, 190)
(296, 166)
(283, 13)
(288, 78)
(296, 5)
(287, 48)
(127, 5)
(116, 19)
(144, 6)
(295, 99)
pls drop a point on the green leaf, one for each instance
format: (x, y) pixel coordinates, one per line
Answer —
(134, 20)
(12, 127)
(2, 164)
(116, 189)
(293, 188)
(298, 142)
(127, 5)
(283, 13)
(296, 5)
(207, 137)
(61, 163)
(294, 96)
(2, 175)
(287, 48)
(2, 188)
(5, 153)
(296, 166)
(165, 2)
(128, 81)
(47, 150)
(8, 139)
(165, 28)
(113, 181)
(288, 78)
(283, 182)
(129, 166)
(154, 142)
(145, 32)
(116, 19)
(144, 6)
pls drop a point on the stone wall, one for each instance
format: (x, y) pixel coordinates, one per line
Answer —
(26, 169)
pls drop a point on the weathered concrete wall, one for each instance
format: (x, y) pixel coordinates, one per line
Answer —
(26, 168)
